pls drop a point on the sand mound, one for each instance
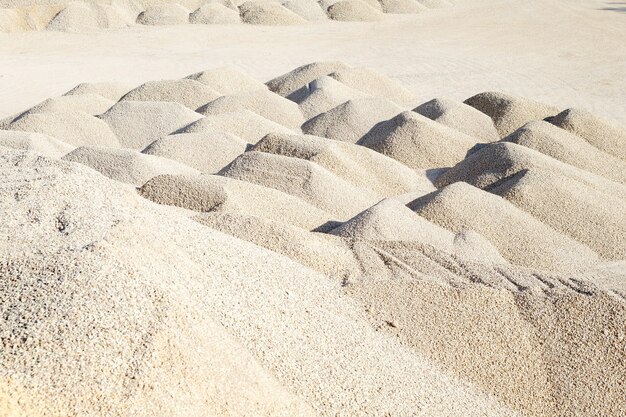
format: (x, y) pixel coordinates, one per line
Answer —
(35, 142)
(190, 93)
(164, 14)
(309, 10)
(11, 21)
(264, 103)
(76, 17)
(228, 80)
(577, 203)
(214, 13)
(391, 220)
(84, 17)
(351, 120)
(571, 149)
(323, 94)
(373, 83)
(209, 193)
(322, 253)
(303, 179)
(268, 13)
(112, 91)
(125, 165)
(499, 162)
(509, 113)
(244, 124)
(73, 127)
(92, 104)
(461, 117)
(535, 349)
(139, 123)
(588, 215)
(207, 152)
(124, 300)
(536, 245)
(418, 142)
(402, 6)
(288, 83)
(604, 134)
(353, 11)
(355, 164)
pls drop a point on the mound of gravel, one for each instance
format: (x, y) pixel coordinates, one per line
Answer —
(207, 152)
(228, 80)
(111, 91)
(375, 84)
(402, 6)
(268, 13)
(605, 135)
(535, 244)
(588, 215)
(569, 148)
(353, 11)
(356, 164)
(213, 193)
(93, 104)
(351, 120)
(391, 220)
(584, 206)
(190, 93)
(35, 142)
(461, 117)
(418, 142)
(214, 13)
(73, 127)
(303, 179)
(80, 16)
(498, 162)
(264, 103)
(189, 315)
(139, 123)
(126, 165)
(323, 253)
(11, 20)
(244, 124)
(286, 84)
(323, 94)
(164, 14)
(508, 112)
(309, 10)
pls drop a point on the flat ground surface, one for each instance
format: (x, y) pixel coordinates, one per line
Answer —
(564, 52)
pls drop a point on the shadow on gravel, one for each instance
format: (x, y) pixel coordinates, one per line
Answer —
(615, 6)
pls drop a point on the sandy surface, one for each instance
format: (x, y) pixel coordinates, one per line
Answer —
(567, 53)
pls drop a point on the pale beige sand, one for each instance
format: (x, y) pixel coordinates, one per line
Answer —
(214, 13)
(356, 164)
(418, 142)
(461, 117)
(509, 112)
(139, 123)
(244, 124)
(535, 244)
(125, 165)
(265, 103)
(353, 11)
(268, 13)
(190, 93)
(35, 142)
(207, 152)
(569, 148)
(216, 193)
(303, 179)
(309, 10)
(164, 14)
(351, 120)
(115, 305)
